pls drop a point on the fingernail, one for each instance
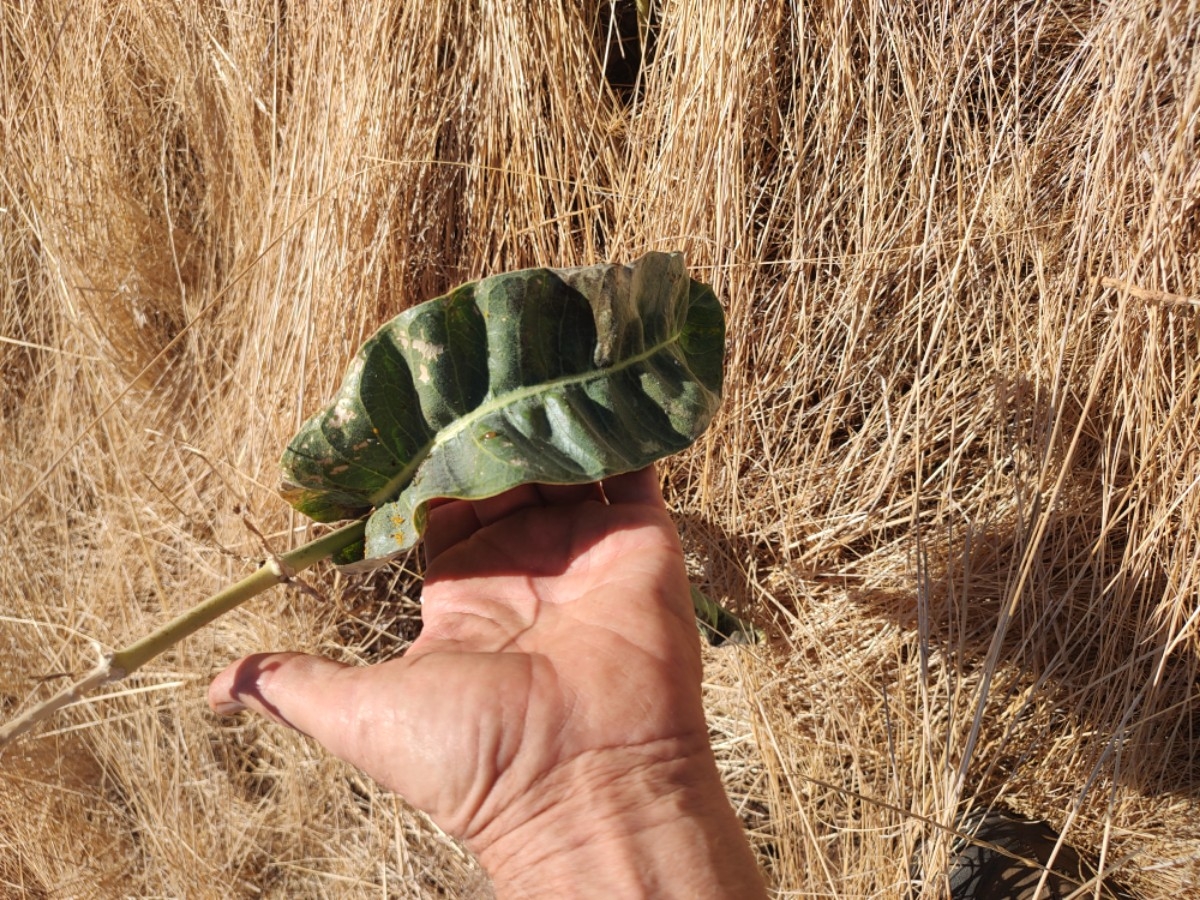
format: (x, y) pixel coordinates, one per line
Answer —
(229, 708)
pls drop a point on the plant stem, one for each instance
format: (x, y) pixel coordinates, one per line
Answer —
(120, 664)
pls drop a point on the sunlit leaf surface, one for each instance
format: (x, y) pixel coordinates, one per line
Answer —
(557, 376)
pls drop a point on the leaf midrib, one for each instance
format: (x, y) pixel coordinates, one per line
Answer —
(396, 483)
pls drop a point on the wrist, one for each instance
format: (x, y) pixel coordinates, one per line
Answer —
(658, 827)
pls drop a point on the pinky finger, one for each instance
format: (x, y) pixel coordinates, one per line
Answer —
(636, 488)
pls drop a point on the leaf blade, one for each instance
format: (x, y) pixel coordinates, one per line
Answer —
(544, 375)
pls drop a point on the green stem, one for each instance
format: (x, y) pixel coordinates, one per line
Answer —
(118, 665)
(271, 573)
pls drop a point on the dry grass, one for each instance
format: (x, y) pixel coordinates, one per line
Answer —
(956, 473)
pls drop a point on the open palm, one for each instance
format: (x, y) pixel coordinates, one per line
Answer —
(559, 654)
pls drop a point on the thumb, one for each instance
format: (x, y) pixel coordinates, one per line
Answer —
(311, 694)
(421, 726)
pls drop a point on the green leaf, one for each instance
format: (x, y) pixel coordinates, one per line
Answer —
(719, 625)
(553, 376)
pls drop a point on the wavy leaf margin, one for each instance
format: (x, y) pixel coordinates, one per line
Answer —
(554, 376)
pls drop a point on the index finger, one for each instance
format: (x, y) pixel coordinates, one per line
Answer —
(449, 523)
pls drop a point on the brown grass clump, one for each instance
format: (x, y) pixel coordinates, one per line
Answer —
(955, 476)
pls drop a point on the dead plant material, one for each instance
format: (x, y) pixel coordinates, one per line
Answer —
(955, 476)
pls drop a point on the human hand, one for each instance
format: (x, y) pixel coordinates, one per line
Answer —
(549, 714)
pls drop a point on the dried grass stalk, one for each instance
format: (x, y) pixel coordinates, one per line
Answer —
(955, 474)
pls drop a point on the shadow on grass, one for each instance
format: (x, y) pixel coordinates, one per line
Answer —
(1084, 651)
